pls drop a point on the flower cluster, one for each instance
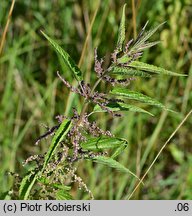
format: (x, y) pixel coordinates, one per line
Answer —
(94, 97)
(101, 73)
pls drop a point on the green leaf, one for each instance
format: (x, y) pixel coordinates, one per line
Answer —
(115, 107)
(144, 36)
(58, 137)
(113, 164)
(102, 143)
(27, 184)
(119, 150)
(121, 34)
(66, 57)
(60, 186)
(47, 181)
(5, 196)
(152, 68)
(117, 70)
(124, 59)
(29, 180)
(147, 45)
(136, 96)
(63, 195)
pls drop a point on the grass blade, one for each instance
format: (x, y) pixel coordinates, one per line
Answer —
(110, 162)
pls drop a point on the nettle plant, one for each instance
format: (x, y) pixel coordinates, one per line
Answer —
(76, 138)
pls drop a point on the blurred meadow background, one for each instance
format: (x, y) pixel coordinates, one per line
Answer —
(32, 95)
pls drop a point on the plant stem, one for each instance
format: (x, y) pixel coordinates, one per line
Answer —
(6, 27)
(86, 102)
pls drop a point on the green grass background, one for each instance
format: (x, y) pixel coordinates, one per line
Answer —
(32, 95)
